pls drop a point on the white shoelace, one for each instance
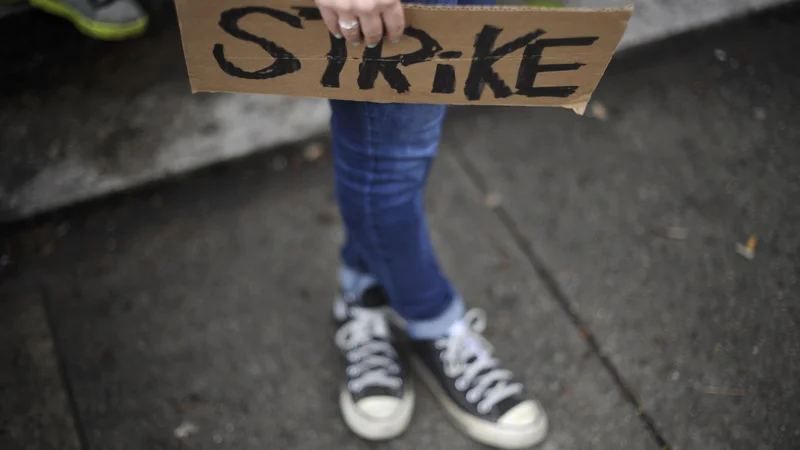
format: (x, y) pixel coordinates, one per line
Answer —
(468, 355)
(365, 341)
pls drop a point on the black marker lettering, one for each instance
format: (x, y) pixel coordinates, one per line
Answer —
(445, 80)
(373, 63)
(309, 13)
(337, 58)
(285, 62)
(480, 72)
(529, 67)
(450, 55)
(428, 48)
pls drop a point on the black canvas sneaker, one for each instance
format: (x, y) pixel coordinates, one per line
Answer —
(377, 399)
(482, 399)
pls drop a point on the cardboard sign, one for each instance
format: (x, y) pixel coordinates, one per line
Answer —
(450, 55)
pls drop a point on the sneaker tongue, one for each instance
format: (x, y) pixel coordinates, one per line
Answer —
(472, 345)
(476, 349)
(380, 328)
(373, 297)
(374, 321)
(456, 327)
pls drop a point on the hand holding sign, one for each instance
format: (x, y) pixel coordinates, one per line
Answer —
(354, 19)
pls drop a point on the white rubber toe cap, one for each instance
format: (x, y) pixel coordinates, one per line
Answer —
(377, 418)
(379, 407)
(526, 413)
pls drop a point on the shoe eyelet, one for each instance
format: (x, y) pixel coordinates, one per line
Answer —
(354, 387)
(353, 371)
(472, 397)
(482, 408)
(461, 384)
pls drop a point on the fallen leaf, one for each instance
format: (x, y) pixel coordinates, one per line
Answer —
(748, 250)
(598, 111)
(677, 233)
(493, 200)
(185, 429)
(313, 151)
(732, 392)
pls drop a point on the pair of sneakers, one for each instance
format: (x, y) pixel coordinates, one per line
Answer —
(481, 398)
(108, 20)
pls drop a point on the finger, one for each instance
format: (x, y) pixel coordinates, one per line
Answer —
(352, 34)
(331, 20)
(371, 28)
(394, 19)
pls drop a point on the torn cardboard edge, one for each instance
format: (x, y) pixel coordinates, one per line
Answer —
(509, 55)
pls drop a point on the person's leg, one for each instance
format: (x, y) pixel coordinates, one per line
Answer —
(383, 154)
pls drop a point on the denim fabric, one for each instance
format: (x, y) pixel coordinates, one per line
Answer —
(383, 155)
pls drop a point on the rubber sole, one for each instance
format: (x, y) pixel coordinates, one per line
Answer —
(92, 28)
(373, 428)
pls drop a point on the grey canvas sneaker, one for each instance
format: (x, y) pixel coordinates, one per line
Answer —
(108, 20)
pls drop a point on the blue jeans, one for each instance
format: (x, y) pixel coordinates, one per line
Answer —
(383, 155)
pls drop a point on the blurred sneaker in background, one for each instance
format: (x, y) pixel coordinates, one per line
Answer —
(108, 20)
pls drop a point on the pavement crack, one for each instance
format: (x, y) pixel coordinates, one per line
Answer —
(554, 289)
(77, 423)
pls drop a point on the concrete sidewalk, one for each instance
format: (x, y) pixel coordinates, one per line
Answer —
(82, 119)
(602, 248)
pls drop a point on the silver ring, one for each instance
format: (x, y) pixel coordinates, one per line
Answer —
(349, 26)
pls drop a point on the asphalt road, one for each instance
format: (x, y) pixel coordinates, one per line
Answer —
(603, 248)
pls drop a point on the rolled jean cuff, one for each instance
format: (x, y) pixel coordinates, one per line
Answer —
(438, 326)
(353, 283)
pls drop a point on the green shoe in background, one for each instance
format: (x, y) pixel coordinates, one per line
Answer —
(108, 20)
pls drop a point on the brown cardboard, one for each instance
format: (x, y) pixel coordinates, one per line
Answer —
(558, 60)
